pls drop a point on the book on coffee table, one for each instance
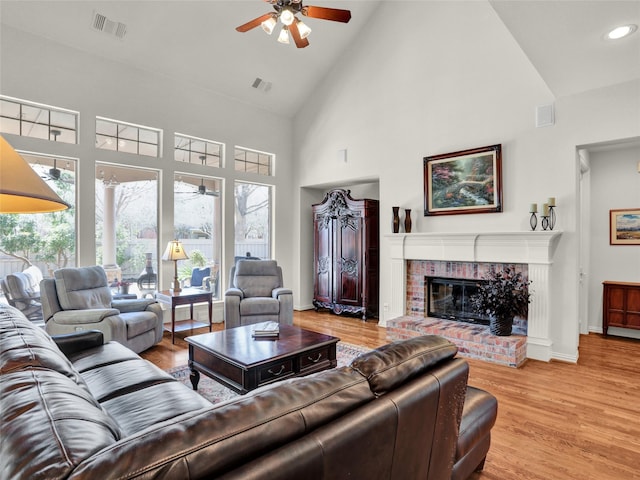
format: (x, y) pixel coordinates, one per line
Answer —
(266, 329)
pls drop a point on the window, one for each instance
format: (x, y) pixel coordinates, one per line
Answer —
(127, 225)
(47, 240)
(252, 220)
(29, 119)
(198, 224)
(197, 150)
(127, 138)
(253, 161)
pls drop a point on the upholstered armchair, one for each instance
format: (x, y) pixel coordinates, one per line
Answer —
(80, 299)
(256, 294)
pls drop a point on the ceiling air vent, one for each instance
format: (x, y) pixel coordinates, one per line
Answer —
(101, 23)
(260, 84)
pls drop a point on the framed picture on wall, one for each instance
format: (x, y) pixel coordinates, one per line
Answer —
(469, 181)
(624, 226)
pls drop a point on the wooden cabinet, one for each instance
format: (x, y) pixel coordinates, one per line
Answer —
(621, 305)
(346, 259)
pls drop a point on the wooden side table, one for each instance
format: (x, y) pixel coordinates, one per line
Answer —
(187, 296)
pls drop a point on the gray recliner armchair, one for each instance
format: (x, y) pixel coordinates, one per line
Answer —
(256, 294)
(80, 299)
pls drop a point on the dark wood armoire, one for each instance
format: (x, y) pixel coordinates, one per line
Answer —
(346, 258)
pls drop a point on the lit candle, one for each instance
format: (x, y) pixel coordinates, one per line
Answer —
(545, 210)
(552, 201)
(533, 208)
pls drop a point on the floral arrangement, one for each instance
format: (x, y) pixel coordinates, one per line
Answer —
(504, 295)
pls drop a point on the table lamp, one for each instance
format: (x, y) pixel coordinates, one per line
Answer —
(174, 252)
(21, 189)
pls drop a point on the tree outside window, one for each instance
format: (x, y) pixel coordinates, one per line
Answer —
(252, 220)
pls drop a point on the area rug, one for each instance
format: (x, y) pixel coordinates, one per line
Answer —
(216, 392)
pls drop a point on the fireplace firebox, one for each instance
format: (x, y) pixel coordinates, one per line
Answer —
(450, 298)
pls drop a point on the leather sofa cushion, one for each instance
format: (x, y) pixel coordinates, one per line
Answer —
(395, 363)
(115, 379)
(259, 306)
(107, 354)
(146, 407)
(82, 288)
(225, 436)
(25, 347)
(49, 424)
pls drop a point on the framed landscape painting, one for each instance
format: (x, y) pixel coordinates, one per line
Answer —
(469, 181)
(624, 226)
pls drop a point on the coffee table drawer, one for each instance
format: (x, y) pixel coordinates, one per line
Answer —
(275, 371)
(320, 358)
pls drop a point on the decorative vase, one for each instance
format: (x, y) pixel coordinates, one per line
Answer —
(124, 289)
(407, 220)
(500, 327)
(396, 219)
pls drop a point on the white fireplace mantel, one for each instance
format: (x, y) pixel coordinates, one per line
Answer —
(535, 249)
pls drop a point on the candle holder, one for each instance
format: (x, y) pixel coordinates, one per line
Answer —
(552, 217)
(533, 220)
(545, 222)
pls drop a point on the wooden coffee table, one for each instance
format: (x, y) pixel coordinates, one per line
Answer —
(242, 363)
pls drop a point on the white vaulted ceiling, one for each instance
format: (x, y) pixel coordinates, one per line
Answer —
(197, 40)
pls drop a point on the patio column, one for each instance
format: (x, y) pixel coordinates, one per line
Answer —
(109, 229)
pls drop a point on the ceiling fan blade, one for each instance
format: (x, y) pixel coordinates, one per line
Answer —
(324, 13)
(254, 23)
(295, 33)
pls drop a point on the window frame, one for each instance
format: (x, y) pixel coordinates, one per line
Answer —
(118, 140)
(190, 152)
(65, 130)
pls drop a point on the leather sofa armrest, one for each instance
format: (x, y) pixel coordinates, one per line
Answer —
(281, 291)
(133, 305)
(234, 292)
(77, 317)
(76, 342)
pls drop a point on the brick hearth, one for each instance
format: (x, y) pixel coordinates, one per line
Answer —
(473, 341)
(533, 249)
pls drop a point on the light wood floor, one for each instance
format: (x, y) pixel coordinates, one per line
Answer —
(556, 421)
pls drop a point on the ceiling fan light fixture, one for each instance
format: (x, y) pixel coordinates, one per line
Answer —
(304, 29)
(268, 25)
(287, 17)
(284, 35)
(621, 32)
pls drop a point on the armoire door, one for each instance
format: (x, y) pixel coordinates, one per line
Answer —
(323, 259)
(348, 260)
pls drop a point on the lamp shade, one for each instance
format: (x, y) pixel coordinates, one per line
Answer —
(175, 251)
(21, 189)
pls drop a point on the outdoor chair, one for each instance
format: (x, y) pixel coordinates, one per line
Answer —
(22, 291)
(80, 299)
(256, 294)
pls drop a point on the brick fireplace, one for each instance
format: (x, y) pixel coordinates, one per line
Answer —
(415, 256)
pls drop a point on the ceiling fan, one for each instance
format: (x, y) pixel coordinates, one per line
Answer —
(54, 173)
(201, 190)
(285, 11)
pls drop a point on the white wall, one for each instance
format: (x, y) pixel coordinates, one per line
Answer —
(615, 184)
(428, 89)
(40, 71)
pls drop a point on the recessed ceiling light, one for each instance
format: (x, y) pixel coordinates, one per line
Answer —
(621, 32)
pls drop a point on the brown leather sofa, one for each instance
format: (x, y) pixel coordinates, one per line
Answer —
(99, 411)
